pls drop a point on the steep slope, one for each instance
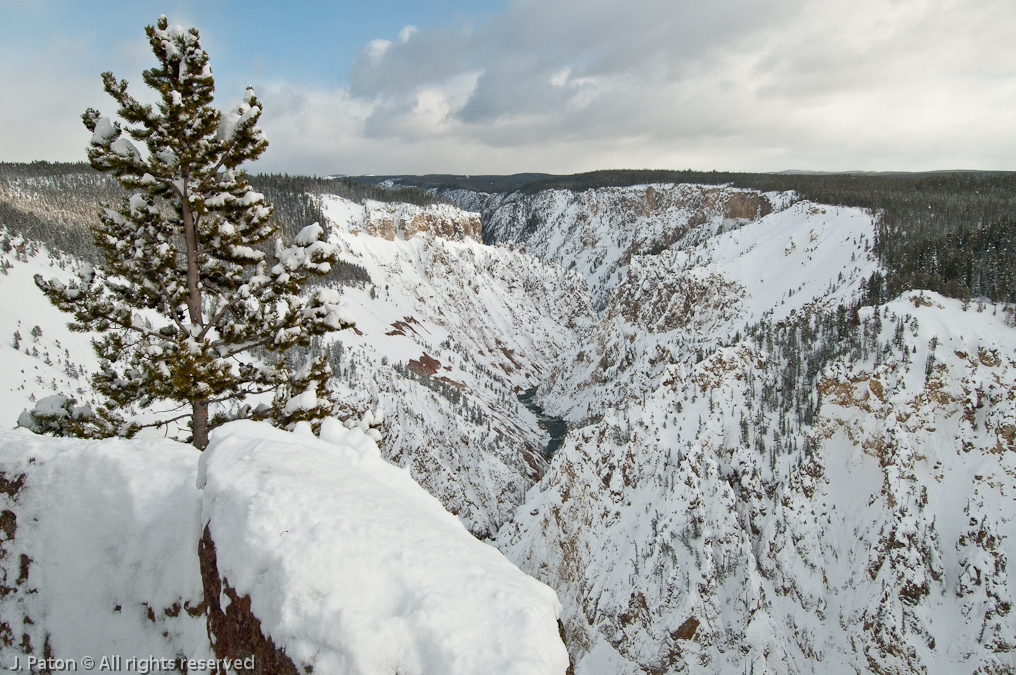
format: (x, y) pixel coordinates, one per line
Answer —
(49, 358)
(705, 511)
(937, 433)
(676, 306)
(450, 332)
(597, 232)
(679, 540)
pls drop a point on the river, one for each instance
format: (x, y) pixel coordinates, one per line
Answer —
(555, 426)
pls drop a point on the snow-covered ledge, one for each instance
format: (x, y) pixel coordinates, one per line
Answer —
(352, 567)
(99, 550)
(346, 563)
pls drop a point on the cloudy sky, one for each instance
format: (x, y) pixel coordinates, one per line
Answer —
(558, 86)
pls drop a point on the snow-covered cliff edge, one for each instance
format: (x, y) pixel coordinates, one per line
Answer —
(349, 566)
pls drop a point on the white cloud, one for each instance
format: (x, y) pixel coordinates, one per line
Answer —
(41, 106)
(375, 50)
(563, 85)
(572, 85)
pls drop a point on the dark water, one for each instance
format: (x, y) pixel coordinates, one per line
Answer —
(555, 426)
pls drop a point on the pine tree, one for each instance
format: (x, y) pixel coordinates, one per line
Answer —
(186, 287)
(983, 584)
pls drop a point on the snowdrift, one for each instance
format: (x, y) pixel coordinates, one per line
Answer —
(348, 564)
(356, 569)
(100, 549)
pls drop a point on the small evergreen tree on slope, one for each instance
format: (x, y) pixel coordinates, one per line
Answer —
(185, 290)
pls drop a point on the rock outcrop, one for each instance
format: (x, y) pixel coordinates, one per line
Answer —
(388, 221)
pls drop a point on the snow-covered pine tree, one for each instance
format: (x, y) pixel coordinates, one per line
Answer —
(185, 289)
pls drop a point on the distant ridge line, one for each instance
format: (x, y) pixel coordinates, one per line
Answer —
(804, 182)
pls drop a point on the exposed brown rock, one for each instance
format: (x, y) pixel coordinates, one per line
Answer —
(686, 630)
(510, 355)
(989, 357)
(8, 523)
(560, 631)
(426, 365)
(654, 201)
(24, 564)
(236, 633)
(1008, 432)
(11, 486)
(747, 205)
(451, 382)
(441, 222)
(400, 327)
(382, 227)
(466, 227)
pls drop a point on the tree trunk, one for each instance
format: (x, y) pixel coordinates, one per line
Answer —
(199, 414)
(190, 236)
(199, 424)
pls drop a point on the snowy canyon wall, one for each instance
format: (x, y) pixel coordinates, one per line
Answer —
(713, 525)
(388, 220)
(596, 232)
(450, 331)
(761, 476)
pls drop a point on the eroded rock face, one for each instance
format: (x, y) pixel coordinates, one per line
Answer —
(235, 632)
(464, 327)
(746, 205)
(391, 221)
(598, 232)
(387, 221)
